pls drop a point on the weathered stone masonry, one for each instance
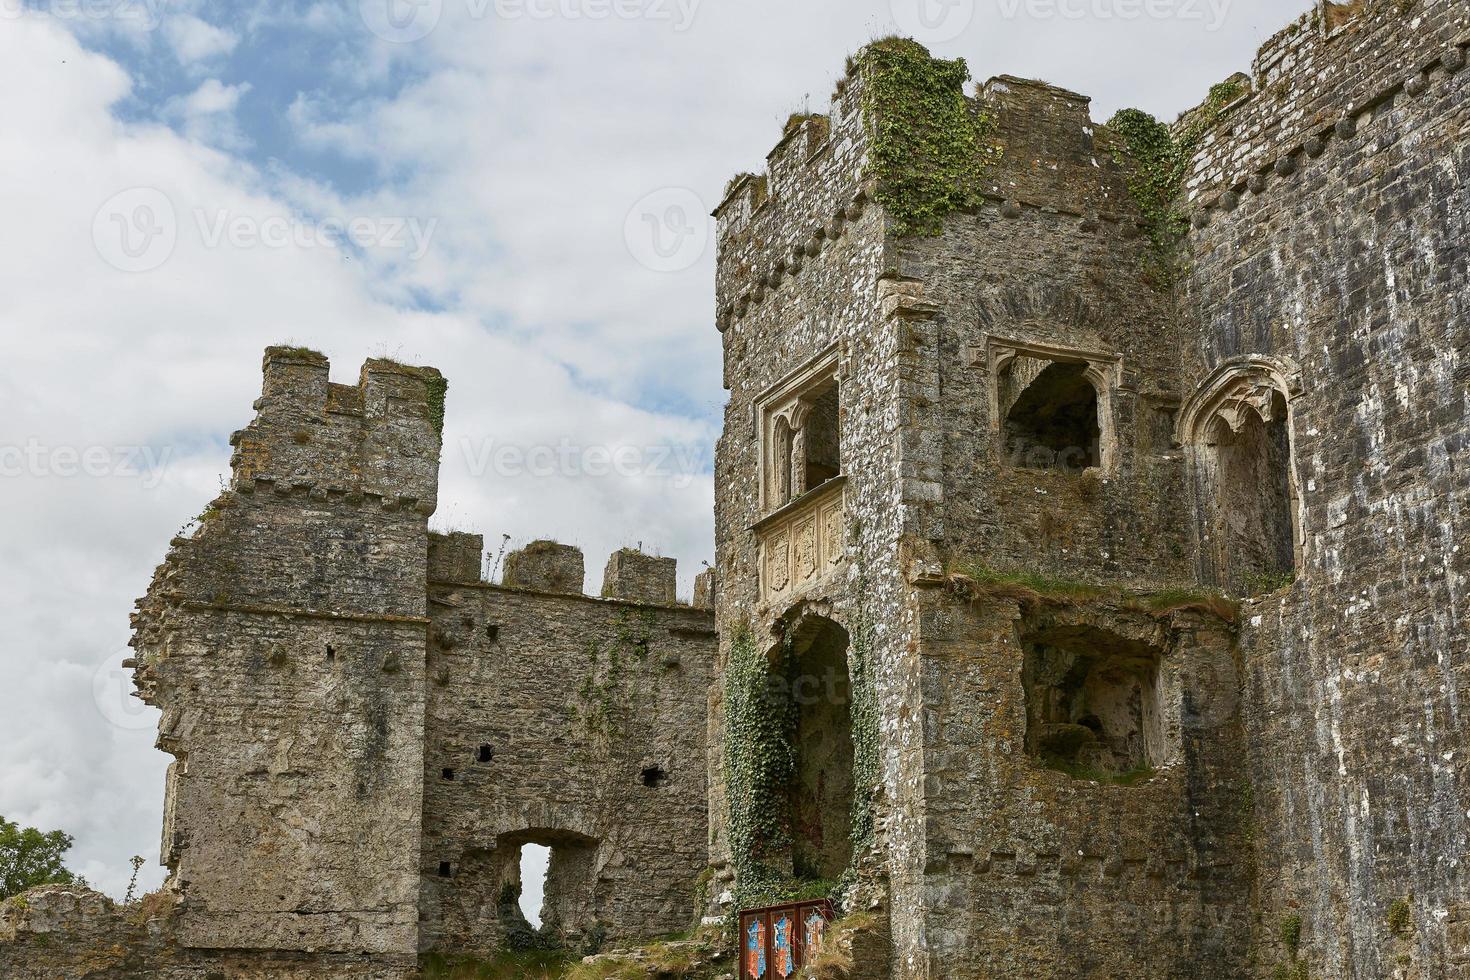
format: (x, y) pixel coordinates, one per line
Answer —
(1073, 620)
(1287, 423)
(365, 733)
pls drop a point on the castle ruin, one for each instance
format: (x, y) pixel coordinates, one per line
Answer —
(1088, 598)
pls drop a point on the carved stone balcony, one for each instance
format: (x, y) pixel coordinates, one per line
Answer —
(801, 545)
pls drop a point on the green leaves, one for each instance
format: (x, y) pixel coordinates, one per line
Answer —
(1159, 159)
(29, 858)
(928, 148)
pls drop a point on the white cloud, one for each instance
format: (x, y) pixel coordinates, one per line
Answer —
(195, 40)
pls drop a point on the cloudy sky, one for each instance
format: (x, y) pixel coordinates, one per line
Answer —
(513, 191)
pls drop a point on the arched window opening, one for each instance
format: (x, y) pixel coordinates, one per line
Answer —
(822, 438)
(1255, 500)
(535, 889)
(534, 865)
(1238, 431)
(1053, 419)
(781, 476)
(800, 428)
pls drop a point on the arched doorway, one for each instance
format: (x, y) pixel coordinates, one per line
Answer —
(822, 784)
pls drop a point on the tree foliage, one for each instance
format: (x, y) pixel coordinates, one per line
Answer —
(29, 858)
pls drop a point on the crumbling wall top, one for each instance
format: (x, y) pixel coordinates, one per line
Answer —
(381, 438)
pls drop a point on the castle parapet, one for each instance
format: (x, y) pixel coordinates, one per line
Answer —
(456, 557)
(380, 439)
(633, 576)
(546, 566)
(1315, 83)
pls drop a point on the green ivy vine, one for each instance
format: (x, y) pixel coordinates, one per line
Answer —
(607, 699)
(866, 760)
(1158, 159)
(760, 762)
(438, 393)
(929, 144)
(761, 765)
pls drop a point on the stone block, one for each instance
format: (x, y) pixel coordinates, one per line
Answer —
(637, 577)
(546, 566)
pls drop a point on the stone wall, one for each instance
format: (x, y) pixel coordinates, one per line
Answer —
(70, 933)
(801, 257)
(367, 734)
(285, 642)
(568, 722)
(1318, 783)
(1336, 247)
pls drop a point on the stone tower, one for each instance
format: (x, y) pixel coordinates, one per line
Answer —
(1037, 490)
(285, 642)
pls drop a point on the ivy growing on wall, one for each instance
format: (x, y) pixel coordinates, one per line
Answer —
(610, 696)
(867, 770)
(1158, 159)
(761, 765)
(760, 762)
(929, 145)
(438, 390)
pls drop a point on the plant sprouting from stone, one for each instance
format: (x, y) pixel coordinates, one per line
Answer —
(137, 861)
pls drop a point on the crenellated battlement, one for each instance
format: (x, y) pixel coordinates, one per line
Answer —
(380, 439)
(1013, 145)
(552, 568)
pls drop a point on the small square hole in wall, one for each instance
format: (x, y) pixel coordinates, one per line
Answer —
(492, 633)
(486, 754)
(445, 870)
(653, 777)
(331, 655)
(448, 775)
